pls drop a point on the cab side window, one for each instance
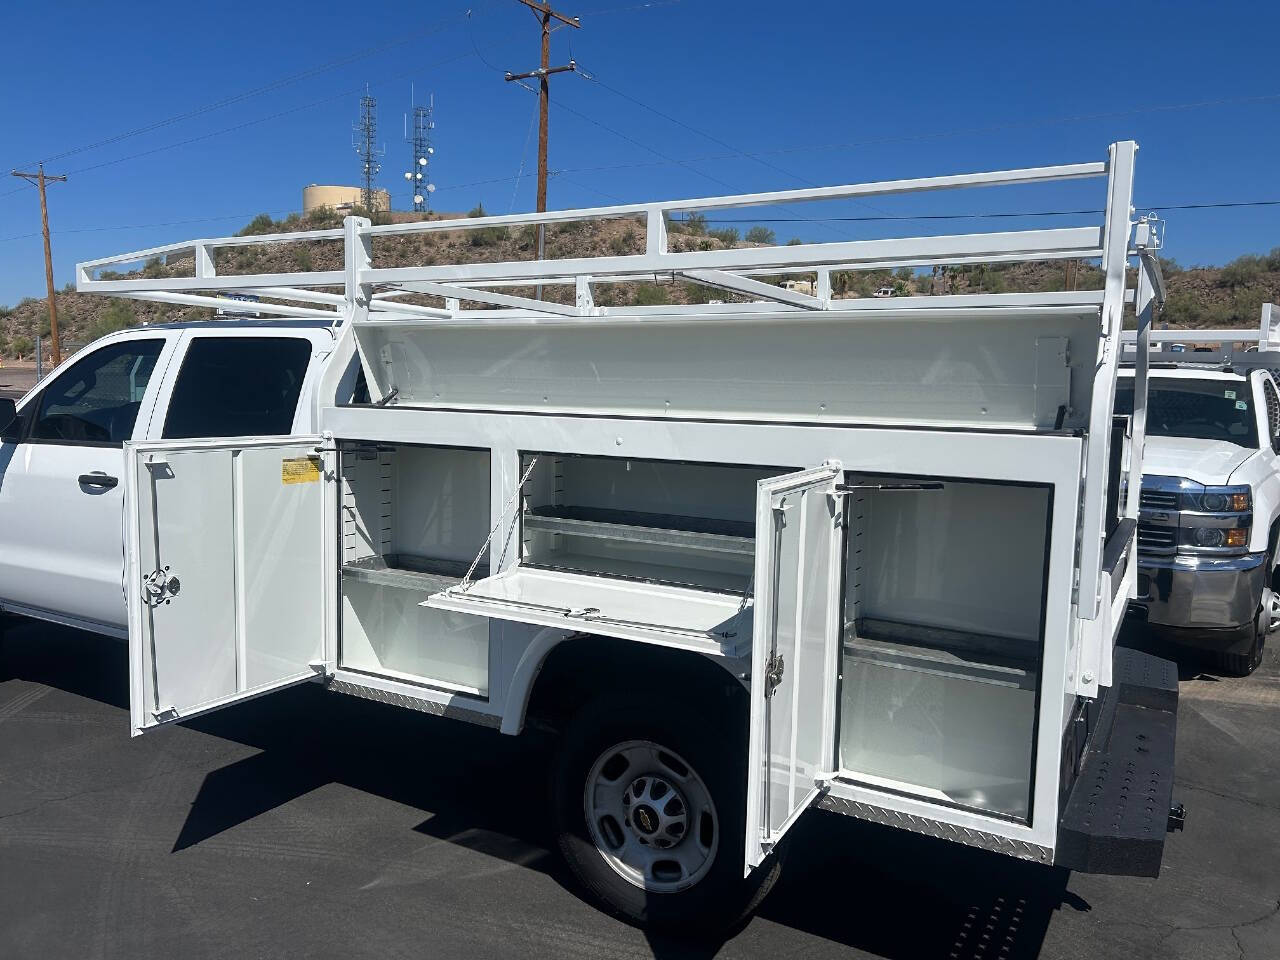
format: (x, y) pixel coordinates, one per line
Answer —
(238, 387)
(1273, 414)
(95, 402)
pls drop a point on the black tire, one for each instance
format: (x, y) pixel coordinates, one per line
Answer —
(715, 749)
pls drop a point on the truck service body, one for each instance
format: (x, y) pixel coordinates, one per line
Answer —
(747, 557)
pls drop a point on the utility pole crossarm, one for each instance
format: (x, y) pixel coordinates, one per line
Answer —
(546, 11)
(39, 179)
(543, 74)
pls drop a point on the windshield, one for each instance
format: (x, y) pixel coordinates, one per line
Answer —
(1199, 409)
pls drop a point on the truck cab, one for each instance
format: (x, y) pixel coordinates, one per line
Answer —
(1209, 514)
(62, 453)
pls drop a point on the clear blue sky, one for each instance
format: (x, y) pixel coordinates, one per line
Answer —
(821, 92)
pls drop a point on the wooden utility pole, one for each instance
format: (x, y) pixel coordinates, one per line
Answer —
(39, 179)
(544, 13)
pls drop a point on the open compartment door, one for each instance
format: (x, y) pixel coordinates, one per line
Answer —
(796, 636)
(229, 570)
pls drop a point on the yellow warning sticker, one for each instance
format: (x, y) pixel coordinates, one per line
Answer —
(300, 470)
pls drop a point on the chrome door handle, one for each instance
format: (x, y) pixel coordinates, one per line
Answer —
(99, 480)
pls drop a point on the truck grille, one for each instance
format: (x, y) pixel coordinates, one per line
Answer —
(1157, 538)
(1158, 500)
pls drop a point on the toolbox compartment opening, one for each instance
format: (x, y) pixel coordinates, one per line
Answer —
(651, 550)
(944, 605)
(411, 520)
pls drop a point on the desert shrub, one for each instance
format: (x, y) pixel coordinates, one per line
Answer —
(484, 236)
(21, 345)
(761, 234)
(621, 244)
(118, 315)
(1242, 271)
(695, 224)
(726, 235)
(262, 223)
(650, 295)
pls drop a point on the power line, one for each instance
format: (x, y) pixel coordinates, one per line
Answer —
(708, 136)
(876, 141)
(148, 226)
(924, 216)
(279, 83)
(524, 153)
(1030, 214)
(250, 123)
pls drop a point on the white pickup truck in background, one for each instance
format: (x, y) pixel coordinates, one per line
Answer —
(1209, 517)
(62, 458)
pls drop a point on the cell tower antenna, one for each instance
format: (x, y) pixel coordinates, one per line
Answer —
(365, 140)
(418, 176)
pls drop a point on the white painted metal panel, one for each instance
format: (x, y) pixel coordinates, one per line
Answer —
(700, 620)
(227, 562)
(819, 366)
(793, 660)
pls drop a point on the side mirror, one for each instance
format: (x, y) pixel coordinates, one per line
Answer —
(8, 419)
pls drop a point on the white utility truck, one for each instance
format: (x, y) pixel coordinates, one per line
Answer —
(1209, 518)
(746, 557)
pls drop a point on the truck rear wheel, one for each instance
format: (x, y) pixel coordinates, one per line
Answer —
(650, 800)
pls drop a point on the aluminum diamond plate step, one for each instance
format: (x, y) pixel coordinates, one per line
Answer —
(1118, 813)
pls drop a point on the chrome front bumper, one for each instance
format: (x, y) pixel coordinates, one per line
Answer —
(1207, 593)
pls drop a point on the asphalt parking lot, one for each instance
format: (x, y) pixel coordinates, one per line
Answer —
(16, 379)
(308, 824)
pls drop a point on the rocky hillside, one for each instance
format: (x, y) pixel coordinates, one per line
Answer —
(1199, 297)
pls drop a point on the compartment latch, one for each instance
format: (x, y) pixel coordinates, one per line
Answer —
(159, 587)
(773, 673)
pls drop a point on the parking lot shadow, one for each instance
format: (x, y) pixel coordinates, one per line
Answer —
(890, 893)
(893, 894)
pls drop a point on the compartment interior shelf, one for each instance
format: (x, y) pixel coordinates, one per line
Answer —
(660, 530)
(681, 617)
(407, 571)
(952, 653)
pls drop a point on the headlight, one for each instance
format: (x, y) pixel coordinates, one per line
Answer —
(1216, 538)
(1209, 536)
(1218, 500)
(1215, 502)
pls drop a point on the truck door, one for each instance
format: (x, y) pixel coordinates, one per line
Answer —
(60, 472)
(230, 566)
(796, 636)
